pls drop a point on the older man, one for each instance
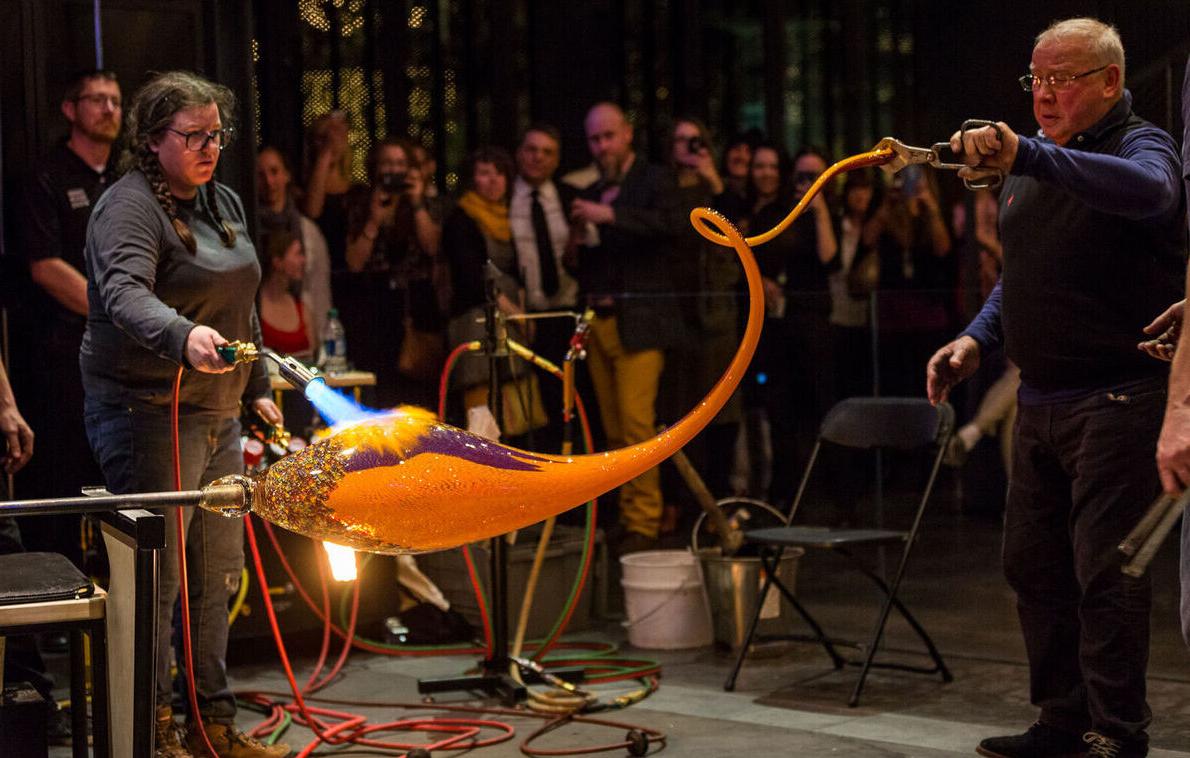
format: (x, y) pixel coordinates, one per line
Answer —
(630, 221)
(1093, 245)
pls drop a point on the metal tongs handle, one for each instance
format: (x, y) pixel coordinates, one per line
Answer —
(988, 182)
(1142, 542)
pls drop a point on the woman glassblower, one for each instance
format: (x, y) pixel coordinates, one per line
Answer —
(171, 275)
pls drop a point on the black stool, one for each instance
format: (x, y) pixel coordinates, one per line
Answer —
(44, 592)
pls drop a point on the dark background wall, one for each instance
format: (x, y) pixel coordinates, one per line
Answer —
(459, 73)
(44, 42)
(838, 73)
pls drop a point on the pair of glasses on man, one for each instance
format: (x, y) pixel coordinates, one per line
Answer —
(198, 141)
(1031, 83)
(99, 100)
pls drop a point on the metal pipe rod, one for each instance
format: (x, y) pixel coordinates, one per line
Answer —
(212, 496)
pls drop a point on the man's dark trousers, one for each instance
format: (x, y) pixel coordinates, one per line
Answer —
(1082, 477)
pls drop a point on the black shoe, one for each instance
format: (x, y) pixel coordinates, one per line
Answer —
(1100, 746)
(58, 727)
(1041, 741)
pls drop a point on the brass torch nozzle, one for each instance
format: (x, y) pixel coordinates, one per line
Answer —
(292, 370)
(238, 352)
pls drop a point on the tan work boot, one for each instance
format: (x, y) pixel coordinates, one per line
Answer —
(230, 742)
(169, 742)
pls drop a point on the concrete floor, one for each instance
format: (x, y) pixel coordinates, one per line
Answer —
(794, 704)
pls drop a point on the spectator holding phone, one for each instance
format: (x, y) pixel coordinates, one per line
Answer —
(388, 220)
(912, 241)
(328, 178)
(395, 279)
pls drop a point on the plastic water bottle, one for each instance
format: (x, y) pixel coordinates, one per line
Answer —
(334, 345)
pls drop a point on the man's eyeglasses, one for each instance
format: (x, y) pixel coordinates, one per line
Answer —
(198, 141)
(1031, 83)
(101, 100)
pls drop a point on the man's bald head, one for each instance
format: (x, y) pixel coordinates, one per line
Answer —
(609, 137)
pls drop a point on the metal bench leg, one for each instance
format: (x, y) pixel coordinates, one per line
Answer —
(100, 713)
(78, 696)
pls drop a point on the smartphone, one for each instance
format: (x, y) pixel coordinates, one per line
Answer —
(911, 178)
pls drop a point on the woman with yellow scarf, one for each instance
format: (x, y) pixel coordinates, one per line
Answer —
(474, 233)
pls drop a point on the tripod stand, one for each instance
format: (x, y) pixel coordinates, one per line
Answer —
(494, 678)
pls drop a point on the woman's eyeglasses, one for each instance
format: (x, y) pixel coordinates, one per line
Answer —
(198, 141)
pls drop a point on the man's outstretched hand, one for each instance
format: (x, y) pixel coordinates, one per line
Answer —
(1165, 330)
(952, 364)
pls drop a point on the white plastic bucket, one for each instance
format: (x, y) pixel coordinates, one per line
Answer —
(665, 599)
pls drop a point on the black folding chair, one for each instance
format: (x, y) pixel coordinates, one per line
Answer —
(864, 423)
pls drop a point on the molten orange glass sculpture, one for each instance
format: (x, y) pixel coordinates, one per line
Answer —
(403, 482)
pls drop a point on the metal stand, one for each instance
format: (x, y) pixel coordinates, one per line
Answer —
(134, 538)
(494, 679)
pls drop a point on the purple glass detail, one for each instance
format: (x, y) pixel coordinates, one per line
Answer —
(447, 441)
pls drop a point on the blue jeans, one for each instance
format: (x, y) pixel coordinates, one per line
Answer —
(135, 452)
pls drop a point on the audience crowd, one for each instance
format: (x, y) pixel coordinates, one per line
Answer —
(405, 254)
(408, 268)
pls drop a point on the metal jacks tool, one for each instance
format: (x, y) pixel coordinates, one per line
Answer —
(906, 155)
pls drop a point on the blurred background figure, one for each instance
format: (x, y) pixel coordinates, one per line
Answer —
(732, 200)
(626, 266)
(796, 266)
(395, 279)
(708, 276)
(328, 177)
(57, 200)
(277, 210)
(913, 245)
(285, 325)
(852, 283)
(537, 216)
(477, 244)
(767, 193)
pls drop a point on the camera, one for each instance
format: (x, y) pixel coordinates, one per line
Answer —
(695, 145)
(393, 182)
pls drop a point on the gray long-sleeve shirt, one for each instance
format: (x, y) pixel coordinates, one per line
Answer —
(146, 292)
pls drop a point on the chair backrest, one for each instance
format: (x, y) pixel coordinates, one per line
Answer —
(899, 423)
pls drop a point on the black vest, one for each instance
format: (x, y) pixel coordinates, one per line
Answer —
(1080, 284)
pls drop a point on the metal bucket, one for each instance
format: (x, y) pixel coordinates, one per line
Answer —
(733, 588)
(734, 583)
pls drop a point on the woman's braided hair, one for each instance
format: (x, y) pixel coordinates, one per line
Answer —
(152, 111)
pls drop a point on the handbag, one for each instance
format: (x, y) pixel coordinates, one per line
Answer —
(422, 353)
(521, 406)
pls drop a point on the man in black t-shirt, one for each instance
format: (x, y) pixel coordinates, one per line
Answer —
(59, 194)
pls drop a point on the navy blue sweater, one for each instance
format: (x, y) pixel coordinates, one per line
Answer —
(1094, 248)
